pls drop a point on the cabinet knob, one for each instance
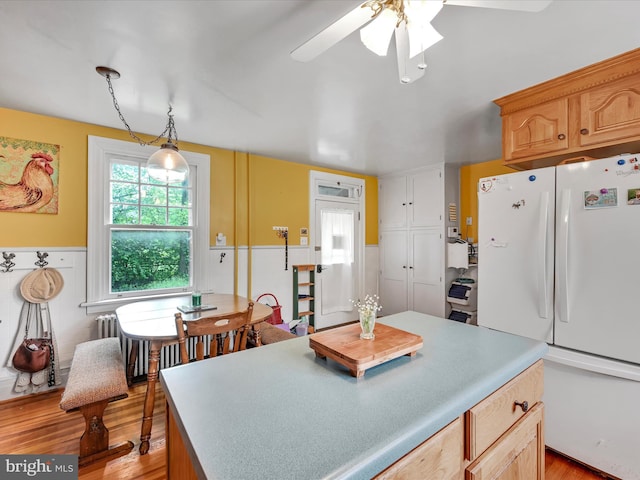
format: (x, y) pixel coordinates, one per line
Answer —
(404, 266)
(410, 268)
(584, 131)
(410, 203)
(524, 405)
(562, 136)
(404, 204)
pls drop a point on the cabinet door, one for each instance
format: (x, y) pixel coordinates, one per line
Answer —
(610, 113)
(392, 202)
(438, 457)
(517, 455)
(425, 272)
(393, 272)
(426, 199)
(536, 130)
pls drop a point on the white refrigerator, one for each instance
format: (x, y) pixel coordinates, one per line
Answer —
(559, 261)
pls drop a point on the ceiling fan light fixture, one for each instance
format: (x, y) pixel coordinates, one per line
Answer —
(376, 36)
(421, 38)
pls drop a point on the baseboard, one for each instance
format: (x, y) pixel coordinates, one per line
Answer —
(7, 394)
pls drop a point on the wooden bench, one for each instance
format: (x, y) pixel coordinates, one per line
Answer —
(97, 377)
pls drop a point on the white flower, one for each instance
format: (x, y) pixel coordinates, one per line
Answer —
(368, 306)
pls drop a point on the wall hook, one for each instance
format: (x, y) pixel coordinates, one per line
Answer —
(222, 255)
(8, 265)
(41, 259)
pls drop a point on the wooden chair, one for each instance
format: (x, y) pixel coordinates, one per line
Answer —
(219, 327)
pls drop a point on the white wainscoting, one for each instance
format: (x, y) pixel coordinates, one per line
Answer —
(72, 324)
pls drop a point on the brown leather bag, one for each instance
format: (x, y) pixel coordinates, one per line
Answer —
(32, 355)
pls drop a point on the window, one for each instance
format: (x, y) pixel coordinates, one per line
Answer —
(145, 237)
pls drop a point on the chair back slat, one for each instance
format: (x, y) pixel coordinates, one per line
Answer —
(219, 328)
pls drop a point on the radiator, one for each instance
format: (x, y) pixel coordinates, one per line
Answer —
(169, 355)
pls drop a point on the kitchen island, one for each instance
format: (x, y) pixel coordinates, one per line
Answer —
(278, 412)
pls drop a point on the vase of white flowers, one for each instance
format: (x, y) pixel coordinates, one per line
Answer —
(367, 310)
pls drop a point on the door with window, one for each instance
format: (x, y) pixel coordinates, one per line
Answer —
(338, 243)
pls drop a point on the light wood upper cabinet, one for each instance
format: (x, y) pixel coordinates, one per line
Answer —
(537, 130)
(610, 113)
(592, 112)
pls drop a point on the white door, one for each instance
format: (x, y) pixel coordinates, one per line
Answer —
(337, 238)
(597, 260)
(394, 266)
(336, 280)
(515, 253)
(425, 266)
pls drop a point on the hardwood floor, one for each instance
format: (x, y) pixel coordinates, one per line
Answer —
(36, 425)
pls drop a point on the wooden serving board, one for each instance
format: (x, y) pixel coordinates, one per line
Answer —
(345, 346)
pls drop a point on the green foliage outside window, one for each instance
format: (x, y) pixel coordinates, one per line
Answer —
(147, 258)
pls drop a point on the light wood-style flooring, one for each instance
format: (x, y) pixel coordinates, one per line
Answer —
(35, 425)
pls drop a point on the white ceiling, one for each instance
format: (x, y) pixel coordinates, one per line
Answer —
(225, 68)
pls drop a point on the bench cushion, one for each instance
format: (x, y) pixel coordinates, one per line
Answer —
(271, 334)
(97, 373)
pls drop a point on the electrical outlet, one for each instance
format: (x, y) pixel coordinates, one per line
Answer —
(281, 229)
(469, 220)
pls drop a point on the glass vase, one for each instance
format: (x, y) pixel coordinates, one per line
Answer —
(367, 324)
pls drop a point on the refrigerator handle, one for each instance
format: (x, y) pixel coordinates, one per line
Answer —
(563, 257)
(543, 228)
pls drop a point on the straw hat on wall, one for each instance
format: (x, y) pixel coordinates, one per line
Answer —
(41, 285)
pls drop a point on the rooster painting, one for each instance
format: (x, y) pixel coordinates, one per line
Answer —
(34, 190)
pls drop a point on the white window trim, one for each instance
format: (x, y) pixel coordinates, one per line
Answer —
(99, 151)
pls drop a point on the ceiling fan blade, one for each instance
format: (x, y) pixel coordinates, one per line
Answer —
(331, 35)
(522, 5)
(409, 69)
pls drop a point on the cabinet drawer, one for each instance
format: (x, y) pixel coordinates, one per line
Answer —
(489, 419)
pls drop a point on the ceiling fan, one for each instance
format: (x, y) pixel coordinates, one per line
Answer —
(410, 20)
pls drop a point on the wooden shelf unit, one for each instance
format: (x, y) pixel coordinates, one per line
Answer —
(308, 289)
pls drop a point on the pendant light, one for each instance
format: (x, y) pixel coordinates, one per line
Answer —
(166, 165)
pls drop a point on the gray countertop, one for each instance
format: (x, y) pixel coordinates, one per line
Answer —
(278, 412)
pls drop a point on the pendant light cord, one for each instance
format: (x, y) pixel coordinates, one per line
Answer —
(170, 128)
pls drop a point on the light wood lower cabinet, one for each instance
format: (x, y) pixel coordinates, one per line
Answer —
(517, 455)
(440, 457)
(500, 438)
(503, 439)
(179, 464)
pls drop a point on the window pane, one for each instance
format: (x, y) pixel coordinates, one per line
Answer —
(179, 197)
(153, 216)
(124, 214)
(150, 195)
(149, 260)
(179, 217)
(334, 191)
(124, 192)
(125, 171)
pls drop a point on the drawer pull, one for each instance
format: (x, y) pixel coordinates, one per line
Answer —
(524, 405)
(584, 131)
(561, 136)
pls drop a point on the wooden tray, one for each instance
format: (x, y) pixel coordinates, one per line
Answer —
(345, 346)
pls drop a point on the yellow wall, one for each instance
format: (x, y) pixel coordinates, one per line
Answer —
(469, 176)
(249, 194)
(279, 196)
